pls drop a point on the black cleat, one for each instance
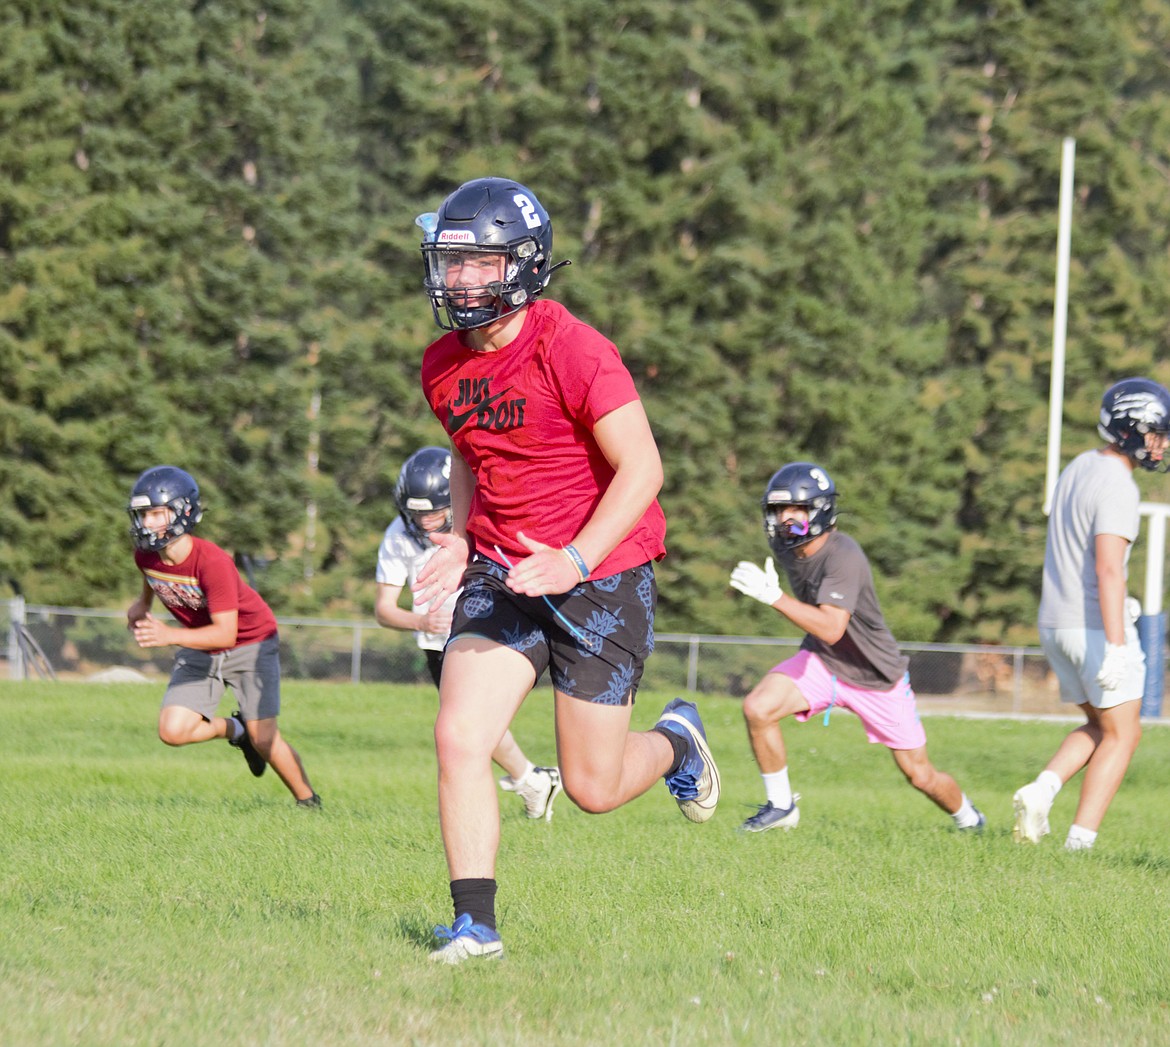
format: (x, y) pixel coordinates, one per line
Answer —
(312, 803)
(256, 762)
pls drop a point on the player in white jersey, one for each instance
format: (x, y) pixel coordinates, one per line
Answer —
(1090, 640)
(423, 497)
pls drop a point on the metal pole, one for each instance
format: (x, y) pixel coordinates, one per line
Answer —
(1059, 320)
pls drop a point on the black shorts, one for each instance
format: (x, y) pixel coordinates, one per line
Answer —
(594, 639)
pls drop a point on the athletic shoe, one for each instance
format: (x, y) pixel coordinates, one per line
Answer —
(467, 940)
(256, 762)
(979, 826)
(312, 803)
(695, 784)
(1072, 844)
(769, 817)
(538, 792)
(1031, 805)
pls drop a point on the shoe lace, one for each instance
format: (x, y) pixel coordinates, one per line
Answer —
(460, 927)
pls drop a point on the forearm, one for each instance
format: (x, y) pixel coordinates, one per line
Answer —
(819, 622)
(200, 638)
(399, 618)
(1111, 595)
(630, 493)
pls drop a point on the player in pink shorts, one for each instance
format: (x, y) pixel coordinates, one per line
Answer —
(848, 658)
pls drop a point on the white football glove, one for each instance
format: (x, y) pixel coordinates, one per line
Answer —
(759, 584)
(1113, 667)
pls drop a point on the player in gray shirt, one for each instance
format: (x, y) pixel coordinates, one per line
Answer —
(848, 658)
(1090, 640)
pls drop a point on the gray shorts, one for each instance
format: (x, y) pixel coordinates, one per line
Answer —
(198, 680)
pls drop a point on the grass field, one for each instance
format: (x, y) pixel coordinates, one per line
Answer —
(165, 897)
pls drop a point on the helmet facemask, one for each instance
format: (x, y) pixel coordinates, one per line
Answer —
(459, 306)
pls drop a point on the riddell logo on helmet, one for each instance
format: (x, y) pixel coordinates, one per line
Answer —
(456, 236)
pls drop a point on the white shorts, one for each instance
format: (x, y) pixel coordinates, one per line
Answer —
(1075, 656)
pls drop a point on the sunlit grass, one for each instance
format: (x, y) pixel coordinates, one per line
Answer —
(159, 896)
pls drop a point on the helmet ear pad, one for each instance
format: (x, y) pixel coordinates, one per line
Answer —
(164, 486)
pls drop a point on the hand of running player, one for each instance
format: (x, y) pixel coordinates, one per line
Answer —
(761, 584)
(150, 632)
(443, 573)
(547, 571)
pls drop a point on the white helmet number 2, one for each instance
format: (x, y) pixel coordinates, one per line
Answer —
(527, 209)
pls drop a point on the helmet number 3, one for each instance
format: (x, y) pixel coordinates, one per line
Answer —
(527, 210)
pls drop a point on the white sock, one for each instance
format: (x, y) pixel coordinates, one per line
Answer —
(777, 789)
(235, 729)
(1050, 781)
(529, 767)
(1079, 838)
(966, 816)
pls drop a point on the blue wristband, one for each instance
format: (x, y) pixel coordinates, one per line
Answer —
(578, 560)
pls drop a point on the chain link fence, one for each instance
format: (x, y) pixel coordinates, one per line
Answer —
(85, 644)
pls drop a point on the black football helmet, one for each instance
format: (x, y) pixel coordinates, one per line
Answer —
(486, 216)
(424, 485)
(169, 486)
(1131, 409)
(806, 485)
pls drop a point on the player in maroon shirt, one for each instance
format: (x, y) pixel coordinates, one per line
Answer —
(555, 530)
(226, 636)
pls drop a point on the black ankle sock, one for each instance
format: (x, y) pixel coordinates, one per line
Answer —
(677, 743)
(477, 898)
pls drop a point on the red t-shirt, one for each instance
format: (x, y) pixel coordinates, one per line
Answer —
(523, 418)
(204, 584)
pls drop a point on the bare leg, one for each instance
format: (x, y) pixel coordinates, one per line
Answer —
(510, 757)
(936, 785)
(1077, 747)
(281, 757)
(1120, 731)
(604, 764)
(483, 685)
(178, 725)
(773, 698)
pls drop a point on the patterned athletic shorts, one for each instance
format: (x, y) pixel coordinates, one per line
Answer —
(594, 639)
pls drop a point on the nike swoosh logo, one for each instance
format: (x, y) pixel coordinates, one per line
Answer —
(455, 422)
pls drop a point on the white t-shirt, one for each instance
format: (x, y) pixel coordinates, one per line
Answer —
(399, 562)
(1096, 494)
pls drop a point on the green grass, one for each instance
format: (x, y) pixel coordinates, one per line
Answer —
(165, 897)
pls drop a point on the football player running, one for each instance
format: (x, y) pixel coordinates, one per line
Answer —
(226, 633)
(848, 657)
(423, 497)
(555, 530)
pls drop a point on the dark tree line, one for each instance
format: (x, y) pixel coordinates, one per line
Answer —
(819, 231)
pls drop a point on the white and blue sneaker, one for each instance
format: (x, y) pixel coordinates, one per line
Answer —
(768, 816)
(467, 940)
(979, 826)
(695, 785)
